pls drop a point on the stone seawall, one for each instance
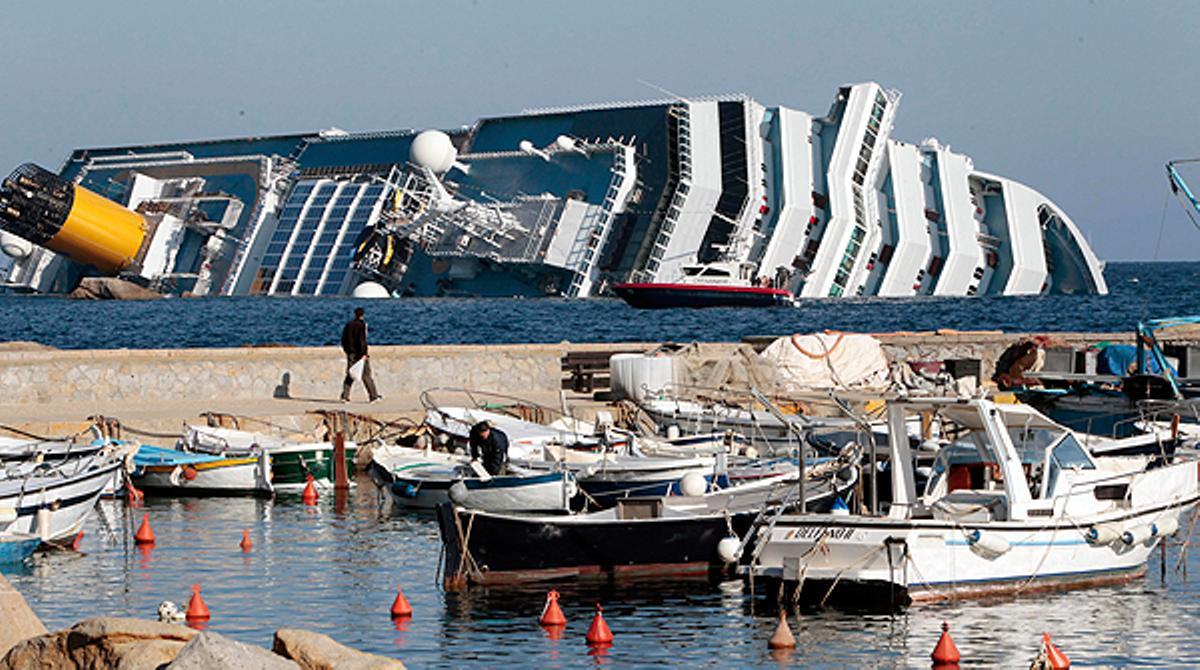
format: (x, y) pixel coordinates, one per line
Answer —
(37, 377)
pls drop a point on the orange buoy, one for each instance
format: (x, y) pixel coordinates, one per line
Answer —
(552, 614)
(309, 497)
(246, 544)
(196, 609)
(782, 638)
(400, 606)
(1055, 659)
(144, 534)
(599, 633)
(945, 651)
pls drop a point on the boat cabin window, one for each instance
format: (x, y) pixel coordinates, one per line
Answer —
(1066, 455)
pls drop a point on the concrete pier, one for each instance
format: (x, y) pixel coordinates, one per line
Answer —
(52, 392)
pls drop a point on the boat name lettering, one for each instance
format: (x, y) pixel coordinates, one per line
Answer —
(814, 532)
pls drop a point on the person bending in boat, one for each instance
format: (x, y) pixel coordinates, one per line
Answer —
(490, 445)
(354, 343)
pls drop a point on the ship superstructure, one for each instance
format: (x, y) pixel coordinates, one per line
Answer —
(571, 201)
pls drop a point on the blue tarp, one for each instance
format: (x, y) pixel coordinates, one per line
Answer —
(1119, 359)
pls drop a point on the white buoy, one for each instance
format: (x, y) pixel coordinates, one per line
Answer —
(433, 150)
(692, 484)
(458, 492)
(15, 247)
(371, 290)
(727, 549)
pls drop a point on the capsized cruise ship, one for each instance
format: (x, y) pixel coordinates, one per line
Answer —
(565, 201)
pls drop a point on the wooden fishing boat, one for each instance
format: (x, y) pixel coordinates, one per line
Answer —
(655, 537)
(292, 462)
(161, 470)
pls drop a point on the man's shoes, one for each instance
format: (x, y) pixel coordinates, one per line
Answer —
(344, 399)
(375, 399)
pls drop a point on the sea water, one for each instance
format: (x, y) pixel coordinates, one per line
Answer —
(336, 571)
(1137, 291)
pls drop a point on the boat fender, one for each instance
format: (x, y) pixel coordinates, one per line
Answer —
(458, 493)
(1138, 534)
(43, 523)
(729, 549)
(570, 486)
(1166, 525)
(988, 545)
(840, 508)
(1102, 534)
(692, 484)
(189, 473)
(672, 432)
(751, 452)
(405, 490)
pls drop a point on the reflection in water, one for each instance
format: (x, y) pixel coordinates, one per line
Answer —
(335, 569)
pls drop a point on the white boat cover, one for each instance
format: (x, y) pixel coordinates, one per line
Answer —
(828, 361)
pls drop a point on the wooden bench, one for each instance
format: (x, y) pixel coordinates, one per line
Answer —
(586, 371)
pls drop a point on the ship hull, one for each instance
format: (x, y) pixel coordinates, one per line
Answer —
(664, 296)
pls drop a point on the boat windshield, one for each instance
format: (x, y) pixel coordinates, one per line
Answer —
(1066, 455)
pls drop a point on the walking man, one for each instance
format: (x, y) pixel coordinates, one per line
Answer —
(354, 343)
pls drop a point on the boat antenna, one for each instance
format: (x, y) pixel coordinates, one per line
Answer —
(662, 90)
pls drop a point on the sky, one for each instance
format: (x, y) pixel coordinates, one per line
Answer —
(1083, 101)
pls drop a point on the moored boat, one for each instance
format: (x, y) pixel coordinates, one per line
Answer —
(1014, 504)
(52, 499)
(292, 462)
(649, 537)
(15, 548)
(427, 486)
(174, 471)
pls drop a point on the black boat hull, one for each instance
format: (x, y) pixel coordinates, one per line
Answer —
(499, 550)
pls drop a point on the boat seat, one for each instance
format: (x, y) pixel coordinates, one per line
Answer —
(970, 505)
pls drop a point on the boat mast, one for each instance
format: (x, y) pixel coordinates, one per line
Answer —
(1182, 191)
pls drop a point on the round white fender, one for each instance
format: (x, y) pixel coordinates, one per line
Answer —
(458, 492)
(692, 484)
(988, 544)
(728, 549)
(1166, 525)
(1138, 534)
(1102, 534)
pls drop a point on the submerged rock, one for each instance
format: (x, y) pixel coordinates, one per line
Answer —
(17, 621)
(314, 651)
(213, 650)
(102, 642)
(111, 288)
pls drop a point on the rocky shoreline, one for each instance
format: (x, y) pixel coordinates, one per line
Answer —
(134, 644)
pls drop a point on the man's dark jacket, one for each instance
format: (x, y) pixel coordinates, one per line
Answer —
(494, 450)
(354, 338)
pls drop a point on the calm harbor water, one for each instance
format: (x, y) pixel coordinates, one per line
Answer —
(335, 571)
(1137, 290)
